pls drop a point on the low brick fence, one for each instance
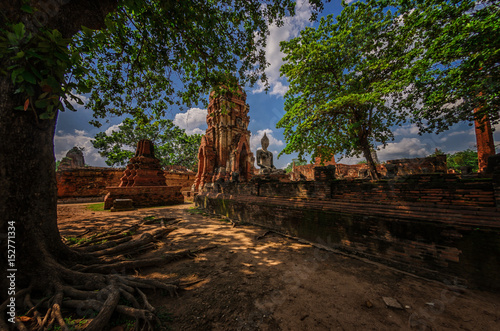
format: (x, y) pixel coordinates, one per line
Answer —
(437, 226)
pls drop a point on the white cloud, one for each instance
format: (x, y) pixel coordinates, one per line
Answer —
(406, 130)
(406, 148)
(256, 138)
(193, 121)
(279, 89)
(470, 132)
(63, 142)
(274, 56)
(113, 128)
(465, 136)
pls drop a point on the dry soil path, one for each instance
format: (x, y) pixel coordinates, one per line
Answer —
(277, 283)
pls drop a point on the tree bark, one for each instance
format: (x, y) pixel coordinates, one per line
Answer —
(28, 194)
(28, 191)
(367, 153)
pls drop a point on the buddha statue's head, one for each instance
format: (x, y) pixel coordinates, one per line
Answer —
(264, 142)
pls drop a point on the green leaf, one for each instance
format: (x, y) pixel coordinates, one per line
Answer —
(19, 30)
(26, 8)
(28, 76)
(15, 73)
(42, 103)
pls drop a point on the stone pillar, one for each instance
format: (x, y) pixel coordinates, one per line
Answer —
(485, 143)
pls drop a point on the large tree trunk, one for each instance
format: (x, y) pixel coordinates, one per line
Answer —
(372, 166)
(28, 213)
(28, 192)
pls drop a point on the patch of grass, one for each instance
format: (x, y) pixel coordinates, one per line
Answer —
(96, 206)
(76, 240)
(148, 218)
(194, 210)
(197, 211)
(73, 324)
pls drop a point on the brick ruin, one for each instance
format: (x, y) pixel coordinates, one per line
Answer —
(485, 143)
(441, 226)
(389, 169)
(224, 153)
(418, 218)
(76, 183)
(143, 181)
(73, 159)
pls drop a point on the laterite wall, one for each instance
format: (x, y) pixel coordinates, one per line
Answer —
(438, 226)
(90, 182)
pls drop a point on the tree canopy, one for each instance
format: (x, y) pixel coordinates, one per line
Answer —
(335, 103)
(172, 145)
(145, 56)
(452, 61)
(383, 62)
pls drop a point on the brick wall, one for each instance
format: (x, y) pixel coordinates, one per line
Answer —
(90, 182)
(86, 182)
(441, 227)
(400, 167)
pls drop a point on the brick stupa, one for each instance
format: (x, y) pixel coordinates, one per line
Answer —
(144, 181)
(224, 153)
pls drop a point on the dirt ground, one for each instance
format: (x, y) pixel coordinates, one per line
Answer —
(249, 282)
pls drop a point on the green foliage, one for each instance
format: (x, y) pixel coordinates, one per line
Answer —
(437, 152)
(463, 158)
(38, 64)
(172, 145)
(382, 62)
(451, 61)
(336, 102)
(148, 56)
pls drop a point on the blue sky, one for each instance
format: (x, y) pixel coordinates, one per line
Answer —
(266, 109)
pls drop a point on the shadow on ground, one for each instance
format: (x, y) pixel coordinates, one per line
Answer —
(256, 282)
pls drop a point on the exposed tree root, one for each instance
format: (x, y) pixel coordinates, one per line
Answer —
(134, 244)
(106, 245)
(123, 265)
(98, 290)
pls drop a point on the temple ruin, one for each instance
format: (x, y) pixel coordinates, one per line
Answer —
(224, 153)
(73, 159)
(143, 182)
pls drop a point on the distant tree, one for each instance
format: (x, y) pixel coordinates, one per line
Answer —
(297, 162)
(335, 102)
(467, 157)
(172, 145)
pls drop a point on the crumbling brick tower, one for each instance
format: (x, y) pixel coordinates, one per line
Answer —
(224, 152)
